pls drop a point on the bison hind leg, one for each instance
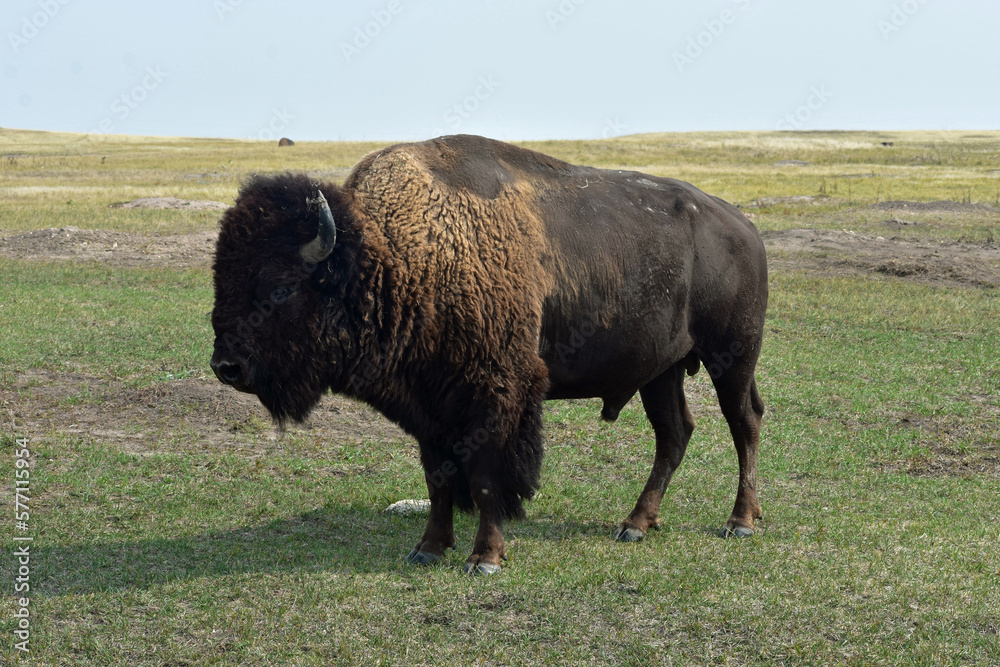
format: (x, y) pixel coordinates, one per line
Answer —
(667, 410)
(743, 408)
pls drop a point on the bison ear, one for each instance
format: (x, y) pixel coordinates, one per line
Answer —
(319, 248)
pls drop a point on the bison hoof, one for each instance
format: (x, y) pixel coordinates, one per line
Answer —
(480, 568)
(737, 531)
(422, 557)
(623, 534)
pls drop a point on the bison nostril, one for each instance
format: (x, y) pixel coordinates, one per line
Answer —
(228, 372)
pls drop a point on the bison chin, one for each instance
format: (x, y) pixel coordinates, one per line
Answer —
(286, 400)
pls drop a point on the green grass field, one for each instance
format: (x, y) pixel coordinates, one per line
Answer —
(158, 541)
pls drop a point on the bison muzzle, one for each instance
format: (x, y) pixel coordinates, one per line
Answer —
(456, 284)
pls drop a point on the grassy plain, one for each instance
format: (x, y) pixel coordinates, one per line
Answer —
(880, 455)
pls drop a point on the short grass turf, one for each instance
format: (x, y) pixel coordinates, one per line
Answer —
(871, 551)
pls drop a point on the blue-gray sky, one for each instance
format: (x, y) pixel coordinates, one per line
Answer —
(529, 69)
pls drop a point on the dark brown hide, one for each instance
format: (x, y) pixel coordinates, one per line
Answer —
(471, 279)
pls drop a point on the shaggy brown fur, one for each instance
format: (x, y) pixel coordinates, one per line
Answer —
(470, 280)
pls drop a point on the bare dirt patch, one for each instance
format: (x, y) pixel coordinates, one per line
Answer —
(189, 414)
(173, 203)
(114, 248)
(842, 253)
(942, 206)
(829, 252)
(956, 447)
(765, 202)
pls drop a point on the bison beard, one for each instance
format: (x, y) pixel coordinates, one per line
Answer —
(285, 398)
(456, 284)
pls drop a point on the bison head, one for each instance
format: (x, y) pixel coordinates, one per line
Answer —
(276, 281)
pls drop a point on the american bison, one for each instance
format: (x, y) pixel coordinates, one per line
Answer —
(455, 284)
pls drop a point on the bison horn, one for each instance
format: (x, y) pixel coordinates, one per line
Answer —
(320, 247)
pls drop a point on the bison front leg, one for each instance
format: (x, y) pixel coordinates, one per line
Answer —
(489, 549)
(439, 536)
(504, 471)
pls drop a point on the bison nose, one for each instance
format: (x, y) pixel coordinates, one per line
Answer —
(227, 370)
